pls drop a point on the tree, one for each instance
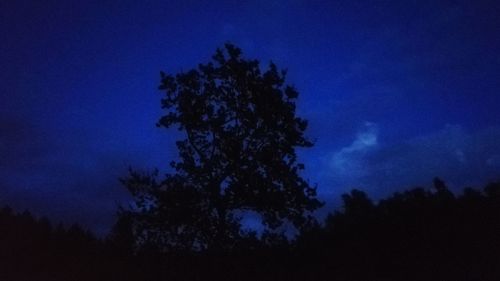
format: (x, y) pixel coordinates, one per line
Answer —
(238, 155)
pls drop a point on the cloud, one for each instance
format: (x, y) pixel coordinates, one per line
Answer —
(345, 161)
(459, 157)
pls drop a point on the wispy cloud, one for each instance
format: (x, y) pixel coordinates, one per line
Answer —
(460, 157)
(345, 161)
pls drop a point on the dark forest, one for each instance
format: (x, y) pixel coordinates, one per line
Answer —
(418, 234)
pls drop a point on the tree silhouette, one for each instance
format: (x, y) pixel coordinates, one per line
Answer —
(238, 155)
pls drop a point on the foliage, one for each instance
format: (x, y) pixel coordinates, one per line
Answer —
(238, 155)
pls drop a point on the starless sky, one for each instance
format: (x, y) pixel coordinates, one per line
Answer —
(396, 92)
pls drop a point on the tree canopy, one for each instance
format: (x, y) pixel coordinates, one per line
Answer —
(238, 154)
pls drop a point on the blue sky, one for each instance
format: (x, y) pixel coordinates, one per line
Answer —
(396, 92)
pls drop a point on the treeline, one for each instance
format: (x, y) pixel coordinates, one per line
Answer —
(419, 234)
(35, 249)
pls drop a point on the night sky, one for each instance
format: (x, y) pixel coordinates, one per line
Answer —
(396, 92)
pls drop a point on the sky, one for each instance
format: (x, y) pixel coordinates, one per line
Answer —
(396, 92)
